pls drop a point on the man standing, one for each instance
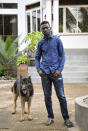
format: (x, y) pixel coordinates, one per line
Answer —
(50, 49)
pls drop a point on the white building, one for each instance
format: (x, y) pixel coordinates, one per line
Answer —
(68, 19)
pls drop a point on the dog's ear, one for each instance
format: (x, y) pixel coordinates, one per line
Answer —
(21, 77)
(29, 77)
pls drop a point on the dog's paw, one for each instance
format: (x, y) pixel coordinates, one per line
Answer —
(30, 118)
(21, 120)
(13, 113)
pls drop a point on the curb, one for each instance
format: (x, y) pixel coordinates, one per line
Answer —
(6, 81)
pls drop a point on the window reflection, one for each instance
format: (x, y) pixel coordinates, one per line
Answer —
(28, 18)
(8, 5)
(1, 25)
(71, 20)
(8, 26)
(83, 19)
(0, 5)
(38, 20)
(34, 20)
(60, 19)
(76, 20)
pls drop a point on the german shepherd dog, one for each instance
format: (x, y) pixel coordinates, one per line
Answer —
(23, 88)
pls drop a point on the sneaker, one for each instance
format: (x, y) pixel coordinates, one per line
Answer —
(68, 123)
(49, 122)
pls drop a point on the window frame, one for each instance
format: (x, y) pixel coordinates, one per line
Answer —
(64, 19)
(3, 35)
(31, 24)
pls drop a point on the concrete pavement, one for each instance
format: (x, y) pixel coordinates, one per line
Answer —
(9, 122)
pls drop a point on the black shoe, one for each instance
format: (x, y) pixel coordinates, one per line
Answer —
(68, 123)
(49, 122)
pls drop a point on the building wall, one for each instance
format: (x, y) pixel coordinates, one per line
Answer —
(21, 20)
(69, 41)
(75, 42)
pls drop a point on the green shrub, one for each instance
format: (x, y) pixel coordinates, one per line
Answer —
(22, 60)
(32, 39)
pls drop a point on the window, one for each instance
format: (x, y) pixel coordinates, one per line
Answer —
(71, 20)
(1, 25)
(83, 19)
(8, 5)
(38, 20)
(0, 5)
(8, 26)
(61, 20)
(33, 20)
(73, 2)
(75, 20)
(28, 24)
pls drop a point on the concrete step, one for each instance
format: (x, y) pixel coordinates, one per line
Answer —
(65, 79)
(76, 52)
(76, 68)
(69, 76)
(77, 58)
(75, 80)
(67, 68)
(76, 63)
(79, 74)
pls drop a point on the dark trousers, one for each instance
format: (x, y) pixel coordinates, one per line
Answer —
(59, 88)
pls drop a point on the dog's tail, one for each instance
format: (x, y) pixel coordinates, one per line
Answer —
(13, 89)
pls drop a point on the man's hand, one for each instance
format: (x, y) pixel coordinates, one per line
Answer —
(56, 73)
(42, 74)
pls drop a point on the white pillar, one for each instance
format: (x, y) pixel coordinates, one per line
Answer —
(21, 20)
(55, 16)
(43, 9)
(48, 11)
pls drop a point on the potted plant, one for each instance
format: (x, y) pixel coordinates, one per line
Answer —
(22, 66)
(32, 40)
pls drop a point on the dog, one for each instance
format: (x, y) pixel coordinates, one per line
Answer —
(23, 88)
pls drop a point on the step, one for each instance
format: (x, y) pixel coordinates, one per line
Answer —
(76, 52)
(76, 68)
(79, 74)
(73, 74)
(76, 63)
(75, 80)
(66, 80)
(81, 57)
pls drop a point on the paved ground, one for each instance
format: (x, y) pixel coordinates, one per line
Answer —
(9, 122)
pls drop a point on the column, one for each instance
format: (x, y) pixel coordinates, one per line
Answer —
(21, 20)
(48, 11)
(55, 16)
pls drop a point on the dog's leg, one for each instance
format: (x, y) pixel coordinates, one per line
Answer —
(29, 106)
(14, 102)
(22, 109)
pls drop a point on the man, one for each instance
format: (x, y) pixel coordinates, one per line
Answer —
(51, 50)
